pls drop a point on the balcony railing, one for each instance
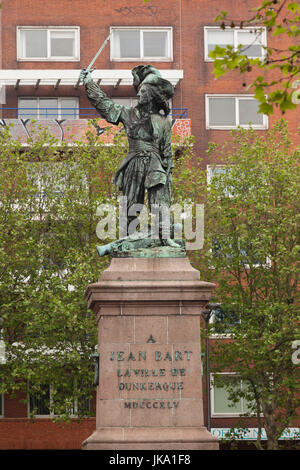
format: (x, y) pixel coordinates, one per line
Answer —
(69, 124)
(69, 113)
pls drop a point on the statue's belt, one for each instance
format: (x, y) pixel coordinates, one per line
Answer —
(142, 148)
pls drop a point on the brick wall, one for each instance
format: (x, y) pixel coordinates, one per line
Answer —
(42, 433)
(187, 18)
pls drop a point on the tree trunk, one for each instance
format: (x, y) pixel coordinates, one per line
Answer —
(271, 430)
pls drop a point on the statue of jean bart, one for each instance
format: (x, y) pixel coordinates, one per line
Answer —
(148, 165)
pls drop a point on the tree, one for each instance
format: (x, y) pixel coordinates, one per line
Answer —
(252, 253)
(49, 196)
(281, 18)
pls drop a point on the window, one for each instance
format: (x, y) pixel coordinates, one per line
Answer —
(131, 101)
(215, 171)
(53, 179)
(80, 405)
(222, 405)
(48, 108)
(223, 320)
(131, 43)
(252, 40)
(229, 112)
(239, 253)
(41, 404)
(51, 43)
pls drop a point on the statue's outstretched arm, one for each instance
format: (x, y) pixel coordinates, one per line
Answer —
(107, 109)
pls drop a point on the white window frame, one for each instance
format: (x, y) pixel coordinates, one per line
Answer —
(75, 58)
(59, 99)
(2, 349)
(237, 98)
(167, 29)
(226, 414)
(235, 39)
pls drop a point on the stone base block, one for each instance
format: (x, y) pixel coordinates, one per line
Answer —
(149, 394)
(151, 439)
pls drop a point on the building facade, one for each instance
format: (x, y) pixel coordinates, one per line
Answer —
(44, 45)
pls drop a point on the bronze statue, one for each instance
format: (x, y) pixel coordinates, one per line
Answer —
(148, 165)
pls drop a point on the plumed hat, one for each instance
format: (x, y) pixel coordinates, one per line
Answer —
(148, 74)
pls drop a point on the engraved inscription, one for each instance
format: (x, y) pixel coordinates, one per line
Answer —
(135, 378)
(151, 404)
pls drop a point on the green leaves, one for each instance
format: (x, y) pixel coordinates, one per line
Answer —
(48, 257)
(266, 108)
(280, 18)
(49, 197)
(221, 17)
(294, 7)
(279, 30)
(255, 227)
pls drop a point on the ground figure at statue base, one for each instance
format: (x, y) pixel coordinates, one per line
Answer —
(148, 165)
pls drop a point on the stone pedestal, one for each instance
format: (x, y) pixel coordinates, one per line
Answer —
(150, 385)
